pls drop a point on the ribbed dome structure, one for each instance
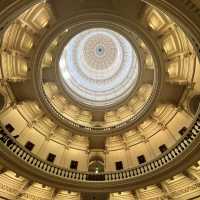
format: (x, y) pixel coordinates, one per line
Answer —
(99, 67)
(99, 100)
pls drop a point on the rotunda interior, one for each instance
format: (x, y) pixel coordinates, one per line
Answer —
(99, 100)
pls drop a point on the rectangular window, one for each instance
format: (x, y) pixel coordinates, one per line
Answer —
(163, 148)
(51, 157)
(141, 159)
(182, 131)
(119, 165)
(74, 164)
(29, 145)
(9, 128)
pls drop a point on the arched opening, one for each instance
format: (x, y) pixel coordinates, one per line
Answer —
(96, 164)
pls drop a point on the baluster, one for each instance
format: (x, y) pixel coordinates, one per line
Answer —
(41, 164)
(156, 164)
(17, 151)
(15, 148)
(34, 161)
(27, 158)
(73, 175)
(183, 145)
(20, 153)
(84, 177)
(67, 174)
(197, 127)
(173, 153)
(177, 150)
(119, 175)
(145, 168)
(24, 156)
(124, 174)
(80, 176)
(12, 147)
(44, 166)
(128, 175)
(186, 142)
(198, 122)
(60, 172)
(56, 170)
(170, 156)
(49, 168)
(138, 171)
(167, 158)
(163, 161)
(53, 169)
(194, 132)
(142, 170)
(180, 147)
(132, 174)
(110, 176)
(113, 176)
(148, 167)
(38, 163)
(106, 177)
(31, 160)
(64, 173)
(152, 165)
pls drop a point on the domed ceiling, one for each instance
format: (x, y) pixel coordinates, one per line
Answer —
(98, 92)
(99, 67)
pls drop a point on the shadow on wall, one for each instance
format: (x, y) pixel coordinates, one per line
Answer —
(2, 102)
(194, 104)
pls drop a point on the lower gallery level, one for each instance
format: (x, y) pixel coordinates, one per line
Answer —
(185, 186)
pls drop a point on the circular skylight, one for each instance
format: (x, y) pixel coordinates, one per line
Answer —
(99, 67)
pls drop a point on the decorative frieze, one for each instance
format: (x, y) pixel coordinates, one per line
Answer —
(191, 188)
(8, 189)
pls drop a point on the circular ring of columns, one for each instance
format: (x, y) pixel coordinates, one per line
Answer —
(124, 27)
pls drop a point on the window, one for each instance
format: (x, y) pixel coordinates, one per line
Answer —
(182, 131)
(9, 128)
(29, 145)
(163, 148)
(16, 136)
(74, 164)
(119, 165)
(51, 157)
(141, 159)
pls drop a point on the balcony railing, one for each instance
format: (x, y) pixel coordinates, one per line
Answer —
(26, 156)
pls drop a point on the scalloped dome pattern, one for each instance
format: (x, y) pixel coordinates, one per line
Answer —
(99, 67)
